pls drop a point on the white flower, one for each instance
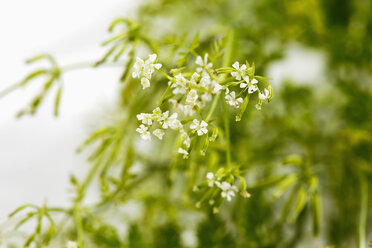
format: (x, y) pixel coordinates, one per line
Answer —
(205, 66)
(244, 85)
(180, 84)
(240, 71)
(192, 97)
(159, 133)
(143, 130)
(210, 179)
(157, 115)
(145, 69)
(194, 79)
(184, 152)
(231, 99)
(264, 96)
(145, 118)
(145, 82)
(228, 191)
(252, 88)
(199, 127)
(185, 139)
(187, 109)
(216, 87)
(206, 97)
(172, 122)
(71, 244)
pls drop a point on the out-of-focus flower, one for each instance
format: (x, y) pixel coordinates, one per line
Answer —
(228, 190)
(184, 152)
(143, 131)
(145, 69)
(159, 133)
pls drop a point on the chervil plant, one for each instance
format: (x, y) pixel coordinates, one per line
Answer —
(197, 158)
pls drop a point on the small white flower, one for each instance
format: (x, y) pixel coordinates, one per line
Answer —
(210, 179)
(159, 133)
(206, 97)
(185, 139)
(143, 131)
(205, 66)
(192, 97)
(145, 69)
(184, 152)
(199, 127)
(245, 85)
(187, 110)
(264, 96)
(231, 99)
(172, 122)
(228, 191)
(216, 87)
(252, 88)
(240, 71)
(71, 244)
(180, 84)
(157, 115)
(145, 118)
(145, 82)
(194, 79)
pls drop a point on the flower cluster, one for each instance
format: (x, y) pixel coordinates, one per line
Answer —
(227, 190)
(145, 69)
(190, 95)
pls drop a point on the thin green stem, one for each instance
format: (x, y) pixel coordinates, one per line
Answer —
(164, 95)
(211, 110)
(363, 211)
(227, 133)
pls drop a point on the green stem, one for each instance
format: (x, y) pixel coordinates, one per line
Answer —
(211, 110)
(363, 211)
(227, 133)
(79, 225)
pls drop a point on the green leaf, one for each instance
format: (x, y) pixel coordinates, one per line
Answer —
(300, 204)
(242, 108)
(285, 184)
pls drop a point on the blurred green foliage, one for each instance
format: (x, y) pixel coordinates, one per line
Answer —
(306, 157)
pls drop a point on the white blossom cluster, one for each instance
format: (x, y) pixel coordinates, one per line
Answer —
(227, 190)
(249, 84)
(145, 69)
(191, 92)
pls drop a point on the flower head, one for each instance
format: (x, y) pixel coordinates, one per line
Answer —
(185, 139)
(143, 131)
(199, 127)
(232, 100)
(159, 133)
(264, 95)
(210, 179)
(184, 152)
(228, 190)
(240, 71)
(145, 69)
(204, 65)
